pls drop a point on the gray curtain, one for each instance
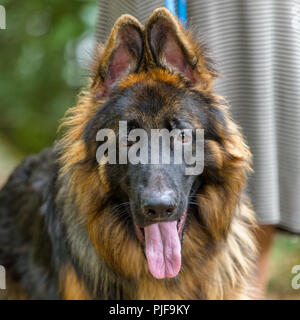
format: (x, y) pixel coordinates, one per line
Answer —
(256, 44)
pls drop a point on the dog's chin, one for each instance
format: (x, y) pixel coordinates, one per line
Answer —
(162, 244)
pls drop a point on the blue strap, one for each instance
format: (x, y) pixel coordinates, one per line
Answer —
(170, 5)
(182, 14)
(181, 9)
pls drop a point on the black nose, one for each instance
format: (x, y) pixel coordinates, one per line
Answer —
(159, 205)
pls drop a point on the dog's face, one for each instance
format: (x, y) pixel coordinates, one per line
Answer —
(158, 195)
(149, 105)
(156, 192)
(156, 78)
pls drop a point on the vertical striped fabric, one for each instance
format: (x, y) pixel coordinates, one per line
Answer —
(110, 11)
(256, 44)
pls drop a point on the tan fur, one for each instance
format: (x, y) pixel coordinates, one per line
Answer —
(72, 288)
(13, 291)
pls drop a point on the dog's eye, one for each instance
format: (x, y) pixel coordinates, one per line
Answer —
(184, 138)
(127, 142)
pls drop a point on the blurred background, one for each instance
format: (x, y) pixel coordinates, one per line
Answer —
(43, 63)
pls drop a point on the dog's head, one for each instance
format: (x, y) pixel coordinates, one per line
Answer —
(155, 77)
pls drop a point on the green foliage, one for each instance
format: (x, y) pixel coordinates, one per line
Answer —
(285, 255)
(40, 72)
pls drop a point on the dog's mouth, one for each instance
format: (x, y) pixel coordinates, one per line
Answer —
(162, 242)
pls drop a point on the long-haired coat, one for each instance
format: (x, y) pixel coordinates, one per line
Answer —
(71, 228)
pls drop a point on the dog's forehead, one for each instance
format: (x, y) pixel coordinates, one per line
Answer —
(156, 103)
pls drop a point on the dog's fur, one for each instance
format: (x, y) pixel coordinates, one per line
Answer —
(63, 233)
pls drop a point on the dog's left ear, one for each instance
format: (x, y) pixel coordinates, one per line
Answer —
(171, 47)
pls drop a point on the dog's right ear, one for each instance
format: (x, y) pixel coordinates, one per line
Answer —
(122, 54)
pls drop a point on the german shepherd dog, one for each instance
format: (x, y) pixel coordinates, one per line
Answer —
(72, 228)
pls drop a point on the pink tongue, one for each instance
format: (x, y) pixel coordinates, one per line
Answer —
(163, 249)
